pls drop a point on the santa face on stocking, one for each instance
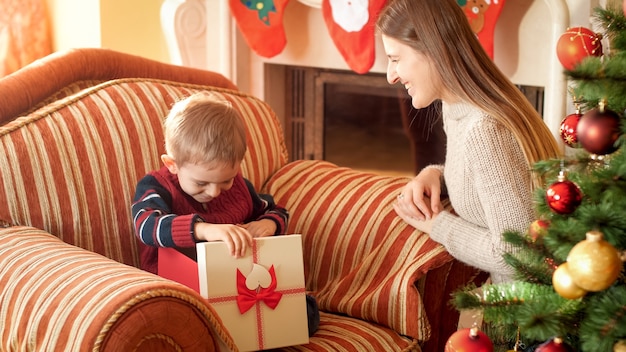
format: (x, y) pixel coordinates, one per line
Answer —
(350, 24)
(351, 15)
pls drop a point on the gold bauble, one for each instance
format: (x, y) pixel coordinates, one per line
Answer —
(564, 285)
(594, 264)
(620, 346)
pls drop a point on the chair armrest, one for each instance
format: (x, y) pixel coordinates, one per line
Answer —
(361, 259)
(56, 296)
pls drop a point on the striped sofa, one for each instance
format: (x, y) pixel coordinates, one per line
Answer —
(79, 128)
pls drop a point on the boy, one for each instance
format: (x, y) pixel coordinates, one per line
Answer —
(199, 194)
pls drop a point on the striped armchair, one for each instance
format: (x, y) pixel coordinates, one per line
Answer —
(79, 128)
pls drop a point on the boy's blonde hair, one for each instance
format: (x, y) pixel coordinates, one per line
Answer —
(205, 128)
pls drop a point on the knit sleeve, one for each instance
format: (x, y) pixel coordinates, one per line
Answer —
(264, 207)
(154, 223)
(498, 174)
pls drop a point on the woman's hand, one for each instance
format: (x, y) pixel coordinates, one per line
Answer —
(420, 199)
(237, 238)
(260, 228)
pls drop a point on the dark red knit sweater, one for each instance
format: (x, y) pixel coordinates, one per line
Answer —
(164, 215)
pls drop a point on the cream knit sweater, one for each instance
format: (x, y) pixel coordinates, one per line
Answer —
(489, 185)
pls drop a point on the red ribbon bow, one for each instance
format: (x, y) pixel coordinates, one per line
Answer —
(247, 298)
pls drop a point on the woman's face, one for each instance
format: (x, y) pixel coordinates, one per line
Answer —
(413, 70)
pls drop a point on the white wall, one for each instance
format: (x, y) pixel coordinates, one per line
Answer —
(130, 26)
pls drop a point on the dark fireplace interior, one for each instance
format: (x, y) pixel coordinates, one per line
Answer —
(362, 122)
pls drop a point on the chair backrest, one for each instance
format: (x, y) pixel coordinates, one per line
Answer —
(66, 72)
(71, 167)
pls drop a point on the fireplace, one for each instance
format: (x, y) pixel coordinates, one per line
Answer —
(358, 121)
(361, 121)
(310, 61)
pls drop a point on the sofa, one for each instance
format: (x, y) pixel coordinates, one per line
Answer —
(79, 128)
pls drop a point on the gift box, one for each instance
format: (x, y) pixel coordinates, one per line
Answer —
(180, 265)
(259, 297)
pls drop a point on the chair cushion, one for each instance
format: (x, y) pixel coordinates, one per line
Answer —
(344, 334)
(361, 259)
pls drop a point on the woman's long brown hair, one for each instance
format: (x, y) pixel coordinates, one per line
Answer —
(440, 30)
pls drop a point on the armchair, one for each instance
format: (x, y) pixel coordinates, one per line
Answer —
(79, 128)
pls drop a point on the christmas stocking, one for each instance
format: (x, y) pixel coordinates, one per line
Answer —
(482, 16)
(261, 23)
(351, 27)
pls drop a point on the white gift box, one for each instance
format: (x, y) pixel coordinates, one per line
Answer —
(259, 297)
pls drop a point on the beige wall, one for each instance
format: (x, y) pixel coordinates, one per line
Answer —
(130, 26)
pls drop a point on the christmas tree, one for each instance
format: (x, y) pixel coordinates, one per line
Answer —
(570, 293)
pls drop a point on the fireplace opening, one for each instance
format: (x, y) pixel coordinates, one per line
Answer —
(377, 130)
(359, 121)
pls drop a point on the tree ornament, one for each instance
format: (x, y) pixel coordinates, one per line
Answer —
(598, 130)
(620, 346)
(564, 284)
(576, 44)
(538, 229)
(469, 340)
(593, 263)
(563, 196)
(567, 131)
(554, 345)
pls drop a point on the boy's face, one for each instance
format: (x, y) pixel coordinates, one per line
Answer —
(203, 182)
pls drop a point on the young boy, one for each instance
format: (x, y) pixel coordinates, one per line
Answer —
(199, 194)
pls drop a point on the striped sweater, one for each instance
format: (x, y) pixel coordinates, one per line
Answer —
(164, 215)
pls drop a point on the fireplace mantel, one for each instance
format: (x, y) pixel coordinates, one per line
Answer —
(525, 38)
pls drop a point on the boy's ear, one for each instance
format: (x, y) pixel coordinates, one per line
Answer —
(170, 163)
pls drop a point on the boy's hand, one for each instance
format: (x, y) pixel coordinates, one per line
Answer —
(260, 228)
(237, 238)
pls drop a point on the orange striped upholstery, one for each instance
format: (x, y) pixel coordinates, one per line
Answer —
(46, 283)
(361, 260)
(344, 334)
(70, 169)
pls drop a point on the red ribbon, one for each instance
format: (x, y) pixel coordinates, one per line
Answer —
(247, 298)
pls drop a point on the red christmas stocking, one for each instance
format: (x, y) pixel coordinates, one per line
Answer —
(482, 16)
(261, 23)
(351, 26)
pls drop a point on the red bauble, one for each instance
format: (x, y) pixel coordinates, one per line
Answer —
(598, 131)
(563, 196)
(469, 340)
(568, 129)
(554, 345)
(576, 44)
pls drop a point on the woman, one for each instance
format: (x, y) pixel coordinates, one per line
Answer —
(494, 135)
